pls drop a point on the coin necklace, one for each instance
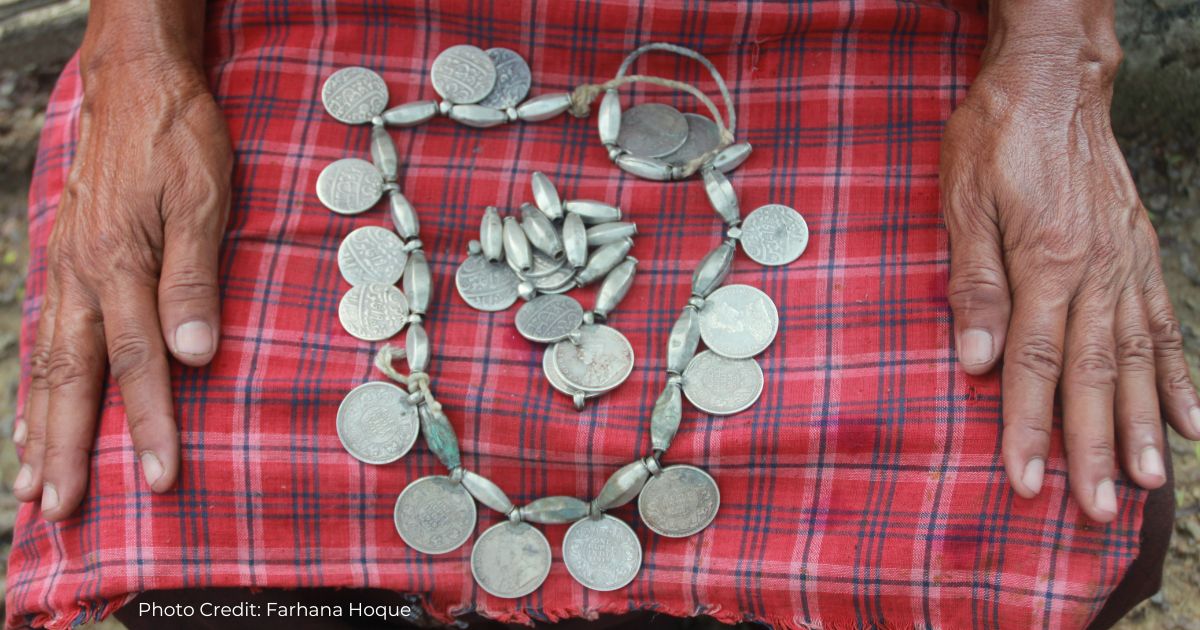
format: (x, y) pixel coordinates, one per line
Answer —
(378, 421)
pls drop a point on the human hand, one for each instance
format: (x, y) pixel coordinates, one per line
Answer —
(1055, 266)
(132, 270)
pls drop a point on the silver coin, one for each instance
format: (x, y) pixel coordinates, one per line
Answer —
(435, 515)
(722, 386)
(652, 130)
(560, 280)
(738, 321)
(548, 318)
(512, 79)
(774, 235)
(550, 369)
(371, 255)
(350, 186)
(354, 95)
(679, 501)
(463, 74)
(373, 312)
(703, 136)
(486, 286)
(543, 266)
(601, 359)
(603, 553)
(510, 560)
(376, 423)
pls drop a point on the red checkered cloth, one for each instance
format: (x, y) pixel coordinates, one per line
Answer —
(864, 489)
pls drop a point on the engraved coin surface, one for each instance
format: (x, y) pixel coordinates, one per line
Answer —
(486, 286)
(512, 79)
(703, 135)
(679, 501)
(560, 280)
(652, 130)
(376, 423)
(371, 255)
(550, 369)
(720, 385)
(435, 515)
(510, 560)
(549, 318)
(373, 312)
(350, 186)
(354, 95)
(463, 74)
(601, 359)
(738, 321)
(603, 553)
(774, 235)
(543, 266)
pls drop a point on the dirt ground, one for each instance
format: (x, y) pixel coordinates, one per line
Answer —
(1157, 116)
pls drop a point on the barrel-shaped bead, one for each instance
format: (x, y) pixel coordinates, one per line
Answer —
(712, 269)
(516, 245)
(554, 510)
(491, 234)
(416, 347)
(383, 153)
(478, 116)
(614, 287)
(622, 486)
(602, 261)
(440, 437)
(606, 233)
(544, 107)
(646, 168)
(593, 212)
(664, 420)
(721, 195)
(609, 118)
(545, 195)
(540, 231)
(683, 340)
(410, 114)
(575, 241)
(418, 282)
(731, 157)
(486, 492)
(404, 217)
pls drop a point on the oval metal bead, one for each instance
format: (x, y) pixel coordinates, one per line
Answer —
(616, 284)
(440, 437)
(683, 340)
(491, 234)
(646, 168)
(712, 270)
(417, 282)
(593, 212)
(664, 420)
(554, 510)
(545, 195)
(609, 118)
(540, 231)
(544, 107)
(606, 233)
(602, 261)
(404, 217)
(486, 492)
(478, 116)
(731, 157)
(622, 486)
(575, 242)
(516, 245)
(410, 114)
(383, 153)
(416, 347)
(721, 195)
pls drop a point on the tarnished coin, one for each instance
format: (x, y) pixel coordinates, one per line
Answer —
(652, 130)
(510, 559)
(601, 359)
(354, 95)
(774, 235)
(679, 501)
(371, 255)
(435, 515)
(512, 79)
(738, 321)
(486, 286)
(376, 423)
(548, 318)
(350, 186)
(560, 280)
(550, 368)
(703, 135)
(543, 266)
(603, 553)
(720, 385)
(373, 312)
(463, 74)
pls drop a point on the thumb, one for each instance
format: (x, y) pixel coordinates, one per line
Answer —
(978, 291)
(188, 300)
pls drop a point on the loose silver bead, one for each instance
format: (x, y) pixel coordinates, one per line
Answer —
(383, 153)
(540, 231)
(575, 240)
(609, 119)
(478, 116)
(622, 486)
(664, 420)
(602, 261)
(404, 217)
(606, 233)
(616, 284)
(417, 282)
(444, 108)
(511, 113)
(491, 234)
(544, 107)
(593, 212)
(545, 195)
(731, 157)
(721, 195)
(555, 510)
(516, 245)
(486, 492)
(683, 340)
(646, 168)
(712, 270)
(416, 347)
(411, 114)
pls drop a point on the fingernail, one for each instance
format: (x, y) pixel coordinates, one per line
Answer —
(23, 478)
(1032, 477)
(194, 338)
(1150, 462)
(1105, 497)
(1194, 416)
(151, 467)
(975, 346)
(49, 497)
(19, 434)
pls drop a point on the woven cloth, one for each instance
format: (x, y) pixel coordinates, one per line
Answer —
(864, 489)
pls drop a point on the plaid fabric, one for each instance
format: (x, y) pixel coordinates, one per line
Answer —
(864, 489)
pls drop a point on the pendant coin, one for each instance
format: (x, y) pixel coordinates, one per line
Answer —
(543, 266)
(510, 560)
(371, 255)
(486, 286)
(512, 79)
(373, 312)
(463, 74)
(601, 359)
(774, 235)
(603, 553)
(738, 321)
(354, 95)
(435, 515)
(549, 318)
(652, 130)
(350, 186)
(722, 386)
(376, 423)
(550, 368)
(679, 501)
(703, 136)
